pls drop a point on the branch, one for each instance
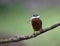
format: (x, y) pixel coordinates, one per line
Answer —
(17, 38)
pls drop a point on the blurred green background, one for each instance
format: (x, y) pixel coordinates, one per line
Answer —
(14, 18)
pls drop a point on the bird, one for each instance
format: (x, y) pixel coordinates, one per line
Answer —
(36, 23)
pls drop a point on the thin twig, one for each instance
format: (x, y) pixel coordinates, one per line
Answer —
(17, 38)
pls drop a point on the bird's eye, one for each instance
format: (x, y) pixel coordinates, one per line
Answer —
(35, 15)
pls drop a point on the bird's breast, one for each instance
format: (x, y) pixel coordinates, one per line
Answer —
(36, 24)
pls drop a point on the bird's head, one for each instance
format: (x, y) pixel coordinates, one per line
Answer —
(35, 16)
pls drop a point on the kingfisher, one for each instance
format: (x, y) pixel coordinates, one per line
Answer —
(36, 23)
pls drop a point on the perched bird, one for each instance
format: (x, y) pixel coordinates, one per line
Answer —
(36, 23)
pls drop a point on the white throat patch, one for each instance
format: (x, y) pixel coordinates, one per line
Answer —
(34, 17)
